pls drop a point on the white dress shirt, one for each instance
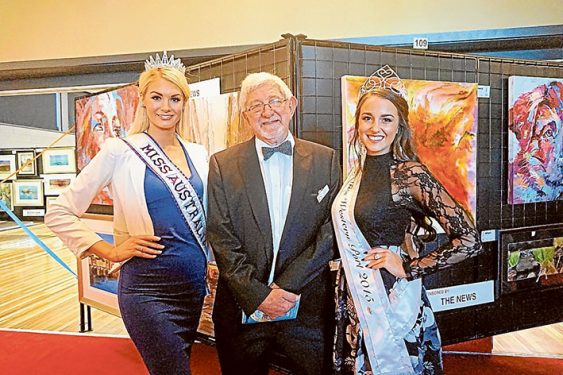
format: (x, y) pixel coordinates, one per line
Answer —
(277, 173)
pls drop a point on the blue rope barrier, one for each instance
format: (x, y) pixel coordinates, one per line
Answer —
(35, 238)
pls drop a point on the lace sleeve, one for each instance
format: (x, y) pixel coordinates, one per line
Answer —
(416, 185)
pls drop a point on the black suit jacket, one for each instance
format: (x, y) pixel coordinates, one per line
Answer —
(240, 234)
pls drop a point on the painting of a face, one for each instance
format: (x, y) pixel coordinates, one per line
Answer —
(99, 117)
(535, 140)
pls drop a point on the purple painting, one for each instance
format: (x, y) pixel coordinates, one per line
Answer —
(535, 139)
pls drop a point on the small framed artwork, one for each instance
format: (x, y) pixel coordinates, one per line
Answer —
(7, 166)
(59, 160)
(24, 157)
(97, 286)
(6, 195)
(57, 183)
(531, 258)
(28, 193)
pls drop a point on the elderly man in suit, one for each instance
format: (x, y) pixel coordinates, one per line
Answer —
(270, 229)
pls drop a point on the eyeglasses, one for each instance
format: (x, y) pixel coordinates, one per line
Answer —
(274, 104)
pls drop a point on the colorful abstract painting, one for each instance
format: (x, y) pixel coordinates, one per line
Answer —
(526, 261)
(215, 122)
(535, 139)
(443, 120)
(99, 117)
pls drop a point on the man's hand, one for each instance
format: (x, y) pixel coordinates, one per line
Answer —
(278, 302)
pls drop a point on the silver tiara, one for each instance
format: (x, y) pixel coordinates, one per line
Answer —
(164, 62)
(384, 78)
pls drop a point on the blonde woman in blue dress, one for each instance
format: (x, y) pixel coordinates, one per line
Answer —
(158, 185)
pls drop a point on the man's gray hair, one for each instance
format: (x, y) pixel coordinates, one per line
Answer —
(253, 80)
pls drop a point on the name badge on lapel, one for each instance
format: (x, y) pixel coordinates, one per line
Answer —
(321, 194)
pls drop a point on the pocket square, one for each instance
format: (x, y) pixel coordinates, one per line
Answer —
(321, 194)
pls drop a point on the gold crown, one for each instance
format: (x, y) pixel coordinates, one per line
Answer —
(384, 78)
(164, 62)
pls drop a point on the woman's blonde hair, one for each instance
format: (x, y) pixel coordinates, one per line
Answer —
(172, 75)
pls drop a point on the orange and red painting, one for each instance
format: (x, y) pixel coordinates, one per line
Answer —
(443, 120)
(99, 117)
(535, 139)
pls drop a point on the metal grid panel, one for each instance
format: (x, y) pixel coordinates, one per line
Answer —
(274, 58)
(321, 64)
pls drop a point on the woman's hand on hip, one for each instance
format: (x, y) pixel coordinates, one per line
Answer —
(378, 257)
(144, 246)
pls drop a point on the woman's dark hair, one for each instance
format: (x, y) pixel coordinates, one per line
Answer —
(402, 147)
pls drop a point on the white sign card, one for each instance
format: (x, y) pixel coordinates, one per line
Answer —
(458, 296)
(209, 87)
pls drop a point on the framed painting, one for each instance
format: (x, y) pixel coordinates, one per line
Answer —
(7, 166)
(531, 258)
(97, 286)
(59, 160)
(57, 183)
(443, 122)
(215, 122)
(28, 193)
(26, 157)
(535, 139)
(107, 114)
(6, 195)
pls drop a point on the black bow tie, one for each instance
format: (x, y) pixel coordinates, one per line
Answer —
(284, 148)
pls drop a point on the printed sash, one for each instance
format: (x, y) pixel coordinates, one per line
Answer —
(384, 320)
(177, 183)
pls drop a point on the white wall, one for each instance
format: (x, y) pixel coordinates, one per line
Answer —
(54, 29)
(13, 136)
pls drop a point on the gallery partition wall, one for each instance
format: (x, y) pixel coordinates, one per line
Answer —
(520, 239)
(313, 70)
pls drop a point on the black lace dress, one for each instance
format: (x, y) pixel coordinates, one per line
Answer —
(390, 193)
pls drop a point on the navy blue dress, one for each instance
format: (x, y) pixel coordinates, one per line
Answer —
(161, 299)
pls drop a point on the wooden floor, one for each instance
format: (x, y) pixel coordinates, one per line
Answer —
(545, 340)
(36, 293)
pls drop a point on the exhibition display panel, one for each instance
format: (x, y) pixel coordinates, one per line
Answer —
(489, 128)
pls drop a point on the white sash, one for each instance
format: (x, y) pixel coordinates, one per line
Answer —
(177, 183)
(384, 320)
